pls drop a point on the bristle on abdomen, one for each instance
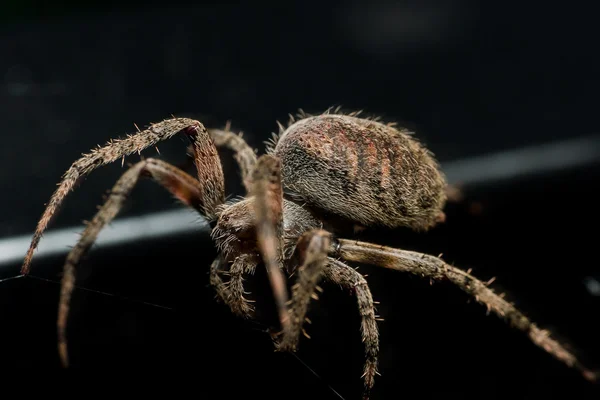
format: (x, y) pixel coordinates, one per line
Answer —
(362, 170)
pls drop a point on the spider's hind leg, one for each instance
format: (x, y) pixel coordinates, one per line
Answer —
(434, 268)
(343, 275)
(183, 186)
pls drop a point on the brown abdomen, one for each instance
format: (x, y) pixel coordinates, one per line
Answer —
(362, 170)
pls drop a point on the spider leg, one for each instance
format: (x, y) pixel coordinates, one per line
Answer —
(348, 278)
(181, 185)
(244, 154)
(312, 248)
(268, 206)
(206, 160)
(434, 268)
(215, 280)
(232, 292)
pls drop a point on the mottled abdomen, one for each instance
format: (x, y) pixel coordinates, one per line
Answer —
(362, 170)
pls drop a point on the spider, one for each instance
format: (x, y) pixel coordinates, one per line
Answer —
(321, 176)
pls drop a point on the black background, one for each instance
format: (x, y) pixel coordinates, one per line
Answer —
(469, 78)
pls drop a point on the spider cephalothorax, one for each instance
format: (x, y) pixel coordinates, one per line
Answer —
(322, 175)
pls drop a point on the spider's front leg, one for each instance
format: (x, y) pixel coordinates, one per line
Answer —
(265, 183)
(232, 292)
(184, 187)
(206, 160)
(244, 155)
(312, 249)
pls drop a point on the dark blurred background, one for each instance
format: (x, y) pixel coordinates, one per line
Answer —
(470, 78)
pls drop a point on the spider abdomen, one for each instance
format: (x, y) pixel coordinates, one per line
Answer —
(361, 170)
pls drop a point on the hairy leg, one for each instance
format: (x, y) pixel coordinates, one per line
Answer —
(268, 207)
(348, 278)
(312, 248)
(206, 160)
(311, 251)
(216, 282)
(232, 292)
(244, 155)
(184, 187)
(434, 268)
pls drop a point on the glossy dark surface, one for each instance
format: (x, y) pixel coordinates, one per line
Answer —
(495, 79)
